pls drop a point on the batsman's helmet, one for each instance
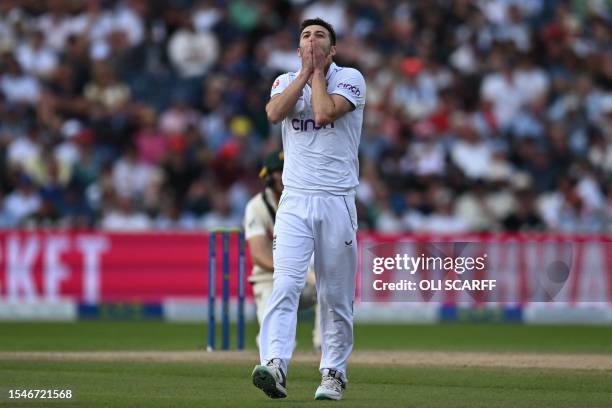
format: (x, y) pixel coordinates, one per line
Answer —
(273, 162)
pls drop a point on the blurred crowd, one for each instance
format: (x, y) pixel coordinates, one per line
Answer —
(481, 115)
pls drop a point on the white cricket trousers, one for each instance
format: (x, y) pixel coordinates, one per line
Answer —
(263, 290)
(326, 224)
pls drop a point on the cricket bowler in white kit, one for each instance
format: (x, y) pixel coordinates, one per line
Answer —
(321, 109)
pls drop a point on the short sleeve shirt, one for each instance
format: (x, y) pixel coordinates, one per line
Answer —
(323, 158)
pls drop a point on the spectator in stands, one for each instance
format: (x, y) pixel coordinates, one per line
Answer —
(192, 52)
(122, 216)
(23, 202)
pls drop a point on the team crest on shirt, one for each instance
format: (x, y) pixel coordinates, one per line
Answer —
(276, 84)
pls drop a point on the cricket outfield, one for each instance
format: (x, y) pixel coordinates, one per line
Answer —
(157, 364)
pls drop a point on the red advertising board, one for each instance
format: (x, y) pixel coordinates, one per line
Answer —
(100, 267)
(94, 267)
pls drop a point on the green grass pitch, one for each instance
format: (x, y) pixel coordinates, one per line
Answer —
(228, 384)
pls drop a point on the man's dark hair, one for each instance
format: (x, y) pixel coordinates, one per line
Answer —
(322, 23)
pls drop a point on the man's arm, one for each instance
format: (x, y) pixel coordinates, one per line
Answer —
(280, 105)
(256, 234)
(261, 253)
(326, 107)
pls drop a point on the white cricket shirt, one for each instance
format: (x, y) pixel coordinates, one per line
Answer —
(323, 158)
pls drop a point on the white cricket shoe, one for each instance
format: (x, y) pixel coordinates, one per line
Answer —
(270, 379)
(331, 387)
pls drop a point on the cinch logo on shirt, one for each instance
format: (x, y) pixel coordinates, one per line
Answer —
(302, 125)
(352, 88)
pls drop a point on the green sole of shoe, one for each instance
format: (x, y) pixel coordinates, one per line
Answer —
(263, 380)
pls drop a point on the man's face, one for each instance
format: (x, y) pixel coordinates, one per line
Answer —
(321, 38)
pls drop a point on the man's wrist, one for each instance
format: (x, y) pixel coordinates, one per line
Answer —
(303, 76)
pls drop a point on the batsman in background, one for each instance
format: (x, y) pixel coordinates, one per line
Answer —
(259, 218)
(321, 109)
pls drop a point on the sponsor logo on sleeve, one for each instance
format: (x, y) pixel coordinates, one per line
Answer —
(351, 88)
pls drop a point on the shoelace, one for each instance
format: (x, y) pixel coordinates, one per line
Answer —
(331, 383)
(279, 372)
(274, 364)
